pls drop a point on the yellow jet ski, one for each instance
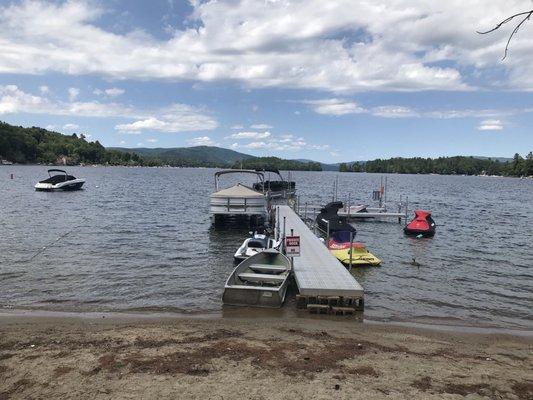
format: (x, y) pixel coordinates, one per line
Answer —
(339, 246)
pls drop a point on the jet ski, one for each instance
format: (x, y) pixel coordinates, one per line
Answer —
(328, 214)
(339, 246)
(422, 224)
(253, 245)
(59, 180)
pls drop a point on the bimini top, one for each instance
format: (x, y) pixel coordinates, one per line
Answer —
(260, 175)
(238, 191)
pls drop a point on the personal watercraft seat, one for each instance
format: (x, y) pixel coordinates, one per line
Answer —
(422, 224)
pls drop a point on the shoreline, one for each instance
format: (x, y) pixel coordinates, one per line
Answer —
(295, 170)
(274, 358)
(253, 314)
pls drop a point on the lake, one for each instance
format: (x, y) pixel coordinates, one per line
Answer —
(140, 239)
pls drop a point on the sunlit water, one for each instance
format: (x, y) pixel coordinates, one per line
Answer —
(139, 239)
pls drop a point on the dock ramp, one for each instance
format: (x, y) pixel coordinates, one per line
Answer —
(317, 272)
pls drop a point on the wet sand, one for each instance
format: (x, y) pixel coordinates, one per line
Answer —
(91, 357)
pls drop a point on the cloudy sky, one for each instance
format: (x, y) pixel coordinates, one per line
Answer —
(325, 80)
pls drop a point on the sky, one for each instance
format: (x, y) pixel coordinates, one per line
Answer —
(311, 79)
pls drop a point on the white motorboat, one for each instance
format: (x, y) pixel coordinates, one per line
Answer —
(255, 244)
(260, 281)
(59, 180)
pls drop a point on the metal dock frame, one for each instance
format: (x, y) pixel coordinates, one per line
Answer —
(324, 284)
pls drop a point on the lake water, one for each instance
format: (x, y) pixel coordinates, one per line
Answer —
(140, 239)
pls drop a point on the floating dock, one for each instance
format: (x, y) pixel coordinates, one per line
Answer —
(370, 214)
(324, 284)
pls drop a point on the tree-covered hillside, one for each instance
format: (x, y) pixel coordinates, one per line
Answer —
(277, 163)
(210, 155)
(37, 145)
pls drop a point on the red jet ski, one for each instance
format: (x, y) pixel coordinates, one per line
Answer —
(423, 224)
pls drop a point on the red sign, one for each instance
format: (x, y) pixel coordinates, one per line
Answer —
(292, 246)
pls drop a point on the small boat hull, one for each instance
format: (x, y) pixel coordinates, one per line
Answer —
(254, 297)
(75, 184)
(259, 281)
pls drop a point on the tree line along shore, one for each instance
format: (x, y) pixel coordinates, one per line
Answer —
(40, 146)
(458, 165)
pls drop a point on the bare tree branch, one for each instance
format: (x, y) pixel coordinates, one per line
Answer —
(527, 14)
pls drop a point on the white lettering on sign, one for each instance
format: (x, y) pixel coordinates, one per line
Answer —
(292, 246)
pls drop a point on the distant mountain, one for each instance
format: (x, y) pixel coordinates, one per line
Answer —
(203, 154)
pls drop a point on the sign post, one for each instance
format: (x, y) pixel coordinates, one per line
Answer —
(292, 247)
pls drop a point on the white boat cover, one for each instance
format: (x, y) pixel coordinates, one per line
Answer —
(238, 191)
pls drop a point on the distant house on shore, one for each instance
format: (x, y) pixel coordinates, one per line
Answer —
(64, 160)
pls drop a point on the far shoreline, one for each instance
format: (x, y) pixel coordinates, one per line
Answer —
(219, 168)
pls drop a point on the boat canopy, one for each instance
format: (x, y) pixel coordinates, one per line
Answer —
(238, 191)
(218, 174)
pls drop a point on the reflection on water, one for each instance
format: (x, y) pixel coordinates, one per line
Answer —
(141, 239)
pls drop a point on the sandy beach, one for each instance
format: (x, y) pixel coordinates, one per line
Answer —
(236, 358)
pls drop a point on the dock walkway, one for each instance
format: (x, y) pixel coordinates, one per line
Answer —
(317, 271)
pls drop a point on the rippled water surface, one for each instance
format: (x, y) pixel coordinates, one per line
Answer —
(140, 239)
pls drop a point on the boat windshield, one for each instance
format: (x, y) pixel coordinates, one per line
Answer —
(57, 172)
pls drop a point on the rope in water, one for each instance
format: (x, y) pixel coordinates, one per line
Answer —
(51, 244)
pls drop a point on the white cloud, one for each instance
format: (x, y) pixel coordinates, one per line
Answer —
(50, 127)
(236, 127)
(111, 92)
(152, 140)
(174, 118)
(73, 93)
(490, 125)
(393, 112)
(114, 92)
(201, 141)
(261, 126)
(122, 142)
(70, 127)
(335, 106)
(285, 142)
(250, 135)
(44, 89)
(345, 106)
(338, 46)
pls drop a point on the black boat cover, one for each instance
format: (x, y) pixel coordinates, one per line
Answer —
(336, 223)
